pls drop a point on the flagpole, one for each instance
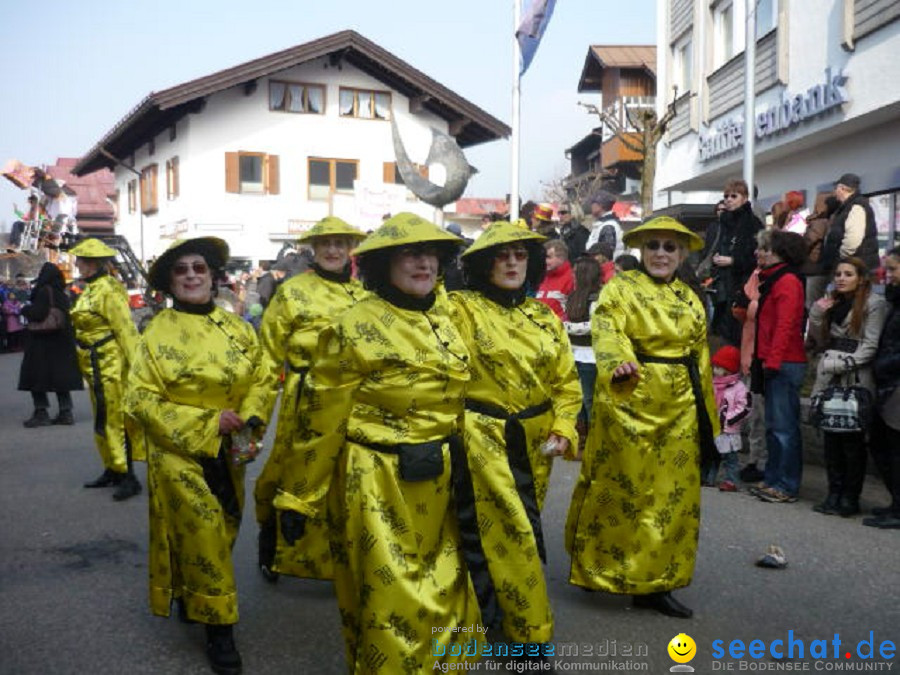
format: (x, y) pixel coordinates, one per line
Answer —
(516, 110)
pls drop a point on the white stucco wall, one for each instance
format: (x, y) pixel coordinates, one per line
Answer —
(256, 224)
(860, 136)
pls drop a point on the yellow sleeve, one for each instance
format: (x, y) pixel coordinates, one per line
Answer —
(275, 330)
(170, 427)
(610, 341)
(259, 400)
(118, 314)
(566, 392)
(326, 404)
(701, 349)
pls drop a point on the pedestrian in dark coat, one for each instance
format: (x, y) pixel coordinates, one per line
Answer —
(50, 362)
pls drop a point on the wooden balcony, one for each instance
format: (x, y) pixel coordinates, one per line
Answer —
(614, 151)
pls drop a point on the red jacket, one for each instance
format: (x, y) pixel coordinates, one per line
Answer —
(555, 289)
(780, 319)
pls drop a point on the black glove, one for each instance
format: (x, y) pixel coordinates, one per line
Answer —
(293, 526)
(770, 373)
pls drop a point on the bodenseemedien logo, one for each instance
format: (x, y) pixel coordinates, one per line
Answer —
(682, 649)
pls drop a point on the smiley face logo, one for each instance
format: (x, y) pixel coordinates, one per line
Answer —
(682, 648)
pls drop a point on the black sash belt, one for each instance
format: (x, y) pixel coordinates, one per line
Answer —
(218, 479)
(708, 452)
(302, 372)
(517, 456)
(97, 386)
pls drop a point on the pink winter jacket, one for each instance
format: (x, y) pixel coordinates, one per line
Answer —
(733, 401)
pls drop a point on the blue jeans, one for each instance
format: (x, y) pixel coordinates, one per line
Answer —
(587, 373)
(783, 440)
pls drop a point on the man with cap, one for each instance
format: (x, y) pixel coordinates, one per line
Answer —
(607, 227)
(542, 221)
(107, 340)
(853, 231)
(301, 308)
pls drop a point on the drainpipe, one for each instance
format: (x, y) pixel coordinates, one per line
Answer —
(106, 153)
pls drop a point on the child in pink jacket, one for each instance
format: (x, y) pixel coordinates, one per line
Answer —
(733, 402)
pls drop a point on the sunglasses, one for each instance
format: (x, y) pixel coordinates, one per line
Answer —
(667, 246)
(518, 254)
(731, 195)
(180, 269)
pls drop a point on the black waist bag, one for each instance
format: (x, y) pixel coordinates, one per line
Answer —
(421, 461)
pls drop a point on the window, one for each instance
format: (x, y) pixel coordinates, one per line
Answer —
(132, 196)
(173, 133)
(327, 176)
(296, 97)
(151, 147)
(370, 105)
(392, 173)
(682, 65)
(148, 189)
(251, 173)
(723, 31)
(172, 178)
(765, 16)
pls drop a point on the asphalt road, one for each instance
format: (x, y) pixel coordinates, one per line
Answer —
(73, 580)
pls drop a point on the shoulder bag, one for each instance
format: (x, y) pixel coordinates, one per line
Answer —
(54, 321)
(842, 409)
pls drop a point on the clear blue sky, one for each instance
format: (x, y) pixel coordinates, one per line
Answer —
(73, 69)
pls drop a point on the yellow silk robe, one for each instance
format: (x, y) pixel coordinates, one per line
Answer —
(634, 519)
(290, 329)
(387, 375)
(189, 368)
(520, 357)
(107, 340)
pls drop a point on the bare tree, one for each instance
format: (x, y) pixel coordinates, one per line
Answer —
(646, 134)
(574, 191)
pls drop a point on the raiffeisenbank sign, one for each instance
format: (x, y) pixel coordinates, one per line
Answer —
(728, 134)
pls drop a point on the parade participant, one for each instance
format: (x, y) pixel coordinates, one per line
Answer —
(107, 339)
(542, 221)
(382, 409)
(301, 308)
(50, 362)
(199, 379)
(844, 327)
(521, 407)
(634, 519)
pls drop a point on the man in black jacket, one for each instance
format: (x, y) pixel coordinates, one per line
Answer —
(574, 234)
(853, 231)
(734, 259)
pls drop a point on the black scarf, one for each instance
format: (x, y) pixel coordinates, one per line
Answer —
(404, 301)
(341, 277)
(840, 309)
(892, 295)
(94, 277)
(503, 297)
(194, 308)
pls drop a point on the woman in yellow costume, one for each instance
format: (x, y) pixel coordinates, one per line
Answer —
(634, 520)
(383, 407)
(107, 340)
(521, 406)
(198, 384)
(300, 309)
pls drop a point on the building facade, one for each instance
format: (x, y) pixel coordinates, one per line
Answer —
(827, 99)
(258, 153)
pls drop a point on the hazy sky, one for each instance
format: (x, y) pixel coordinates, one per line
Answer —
(72, 70)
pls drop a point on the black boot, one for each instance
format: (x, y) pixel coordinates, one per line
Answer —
(849, 506)
(64, 417)
(663, 603)
(39, 418)
(105, 479)
(750, 474)
(221, 651)
(268, 534)
(830, 506)
(129, 486)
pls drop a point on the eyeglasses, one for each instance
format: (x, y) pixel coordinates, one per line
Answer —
(180, 269)
(668, 246)
(518, 254)
(731, 195)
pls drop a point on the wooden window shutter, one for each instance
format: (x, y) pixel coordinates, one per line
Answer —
(154, 186)
(232, 172)
(388, 175)
(272, 178)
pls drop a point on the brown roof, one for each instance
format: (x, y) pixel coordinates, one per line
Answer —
(159, 110)
(626, 57)
(91, 189)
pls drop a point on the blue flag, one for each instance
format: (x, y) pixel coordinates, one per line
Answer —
(532, 28)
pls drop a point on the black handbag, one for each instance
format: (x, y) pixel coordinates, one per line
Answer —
(842, 409)
(54, 321)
